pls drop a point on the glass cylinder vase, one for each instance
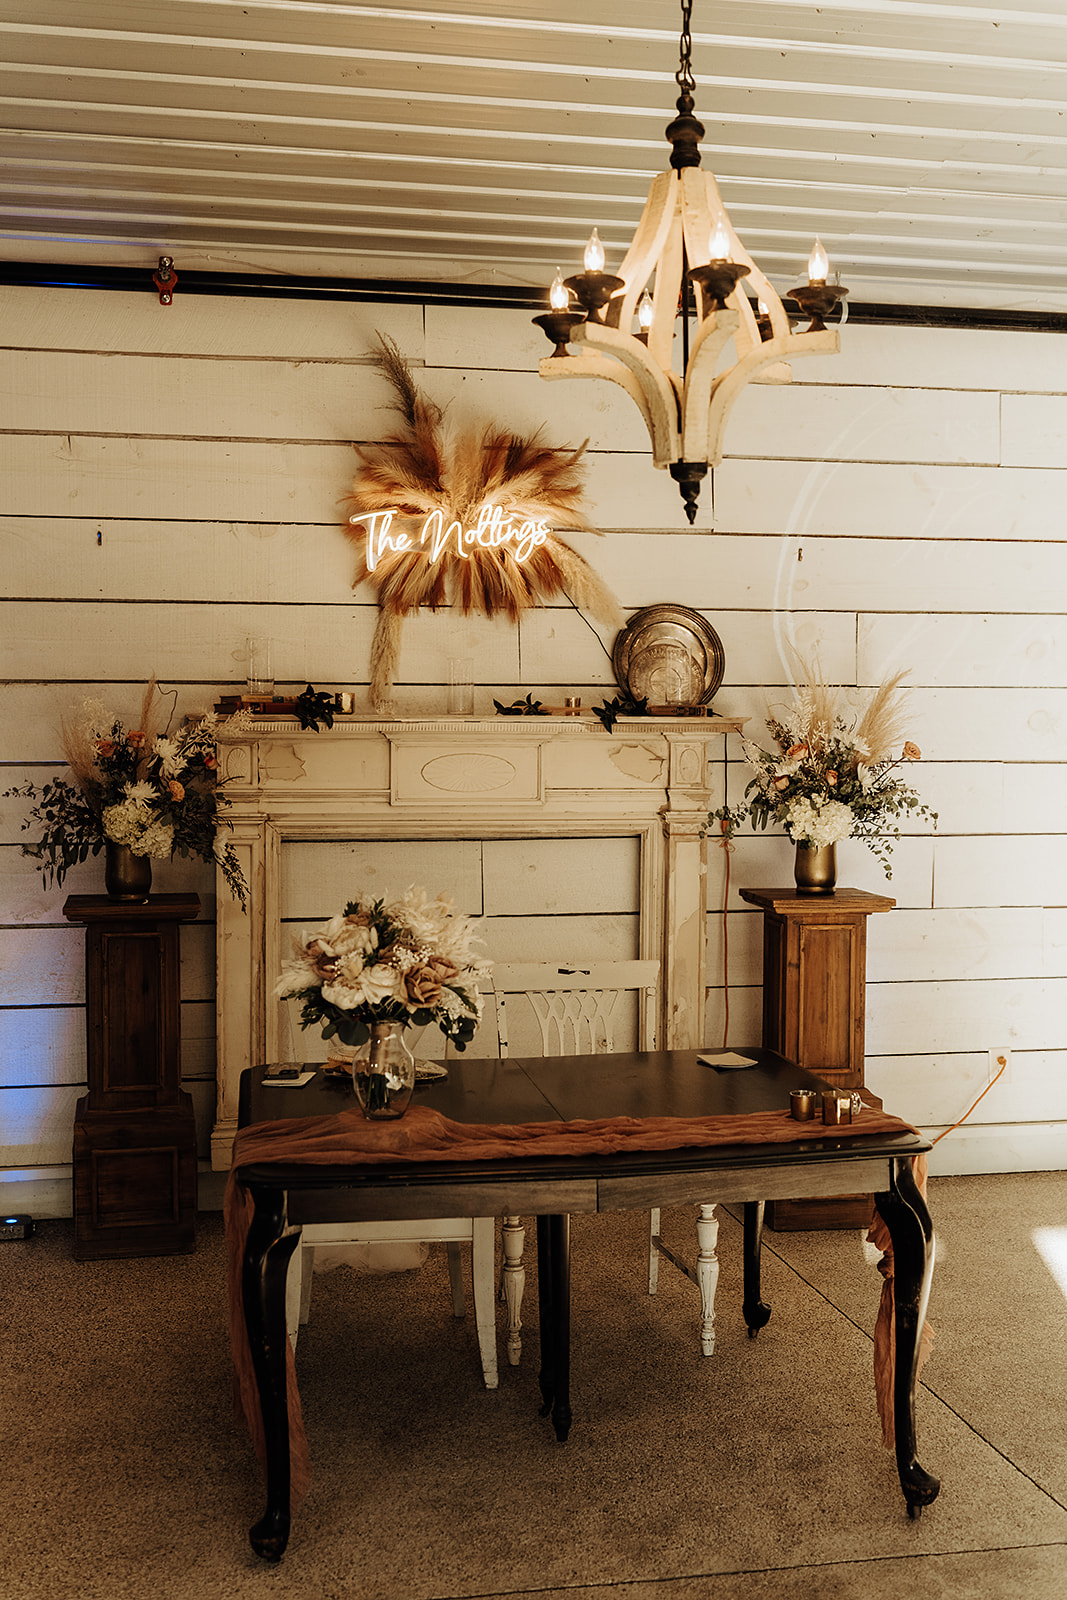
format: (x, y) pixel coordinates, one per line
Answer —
(815, 868)
(126, 876)
(383, 1072)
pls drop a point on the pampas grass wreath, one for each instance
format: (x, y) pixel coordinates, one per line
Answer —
(431, 464)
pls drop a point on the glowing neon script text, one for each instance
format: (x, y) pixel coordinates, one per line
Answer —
(492, 531)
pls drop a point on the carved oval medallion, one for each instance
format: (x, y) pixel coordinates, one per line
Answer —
(475, 772)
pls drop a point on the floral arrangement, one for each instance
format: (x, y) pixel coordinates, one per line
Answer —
(152, 790)
(408, 960)
(835, 770)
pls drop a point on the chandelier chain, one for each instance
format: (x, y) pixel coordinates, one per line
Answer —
(684, 76)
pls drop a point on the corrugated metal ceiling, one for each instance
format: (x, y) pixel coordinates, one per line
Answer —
(925, 143)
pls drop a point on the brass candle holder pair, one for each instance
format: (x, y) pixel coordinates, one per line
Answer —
(838, 1105)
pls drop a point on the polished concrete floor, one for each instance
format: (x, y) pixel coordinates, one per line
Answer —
(757, 1474)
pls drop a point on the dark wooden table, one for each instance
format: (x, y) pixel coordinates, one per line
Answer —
(638, 1084)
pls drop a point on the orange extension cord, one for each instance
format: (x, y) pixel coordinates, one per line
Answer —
(981, 1097)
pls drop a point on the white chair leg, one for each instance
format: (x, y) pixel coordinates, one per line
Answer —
(483, 1274)
(653, 1251)
(455, 1278)
(707, 1275)
(514, 1238)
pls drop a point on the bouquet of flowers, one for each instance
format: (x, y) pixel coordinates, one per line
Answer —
(154, 791)
(409, 961)
(835, 770)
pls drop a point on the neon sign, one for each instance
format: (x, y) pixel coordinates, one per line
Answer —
(492, 531)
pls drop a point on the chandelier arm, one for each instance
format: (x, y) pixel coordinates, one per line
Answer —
(666, 298)
(704, 422)
(642, 257)
(656, 400)
(702, 207)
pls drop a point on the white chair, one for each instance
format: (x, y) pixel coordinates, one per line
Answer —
(454, 1232)
(577, 1010)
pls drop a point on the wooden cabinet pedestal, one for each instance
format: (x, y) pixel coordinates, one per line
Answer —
(814, 990)
(134, 1132)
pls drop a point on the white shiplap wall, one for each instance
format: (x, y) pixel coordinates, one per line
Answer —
(172, 482)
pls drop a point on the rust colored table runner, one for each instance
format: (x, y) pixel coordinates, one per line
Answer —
(424, 1136)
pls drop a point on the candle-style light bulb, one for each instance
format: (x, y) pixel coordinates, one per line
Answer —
(558, 295)
(719, 246)
(818, 264)
(645, 312)
(594, 254)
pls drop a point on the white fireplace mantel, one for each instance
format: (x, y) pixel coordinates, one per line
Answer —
(451, 777)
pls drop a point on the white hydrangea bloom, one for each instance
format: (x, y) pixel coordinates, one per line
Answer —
(818, 825)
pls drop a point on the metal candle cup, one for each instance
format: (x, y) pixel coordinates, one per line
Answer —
(836, 1109)
(802, 1104)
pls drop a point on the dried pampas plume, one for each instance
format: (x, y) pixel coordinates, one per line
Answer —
(879, 719)
(430, 465)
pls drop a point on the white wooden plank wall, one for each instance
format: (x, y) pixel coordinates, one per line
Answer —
(172, 483)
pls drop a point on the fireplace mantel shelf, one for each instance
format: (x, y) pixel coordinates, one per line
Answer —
(438, 722)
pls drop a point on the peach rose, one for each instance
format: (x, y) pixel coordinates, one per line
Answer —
(105, 747)
(796, 752)
(831, 777)
(912, 752)
(781, 783)
(135, 738)
(175, 790)
(422, 986)
(443, 969)
(321, 958)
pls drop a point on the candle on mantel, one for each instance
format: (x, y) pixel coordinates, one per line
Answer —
(558, 294)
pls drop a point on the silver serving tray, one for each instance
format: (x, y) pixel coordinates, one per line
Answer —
(669, 654)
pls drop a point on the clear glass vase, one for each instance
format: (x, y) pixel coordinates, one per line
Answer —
(383, 1072)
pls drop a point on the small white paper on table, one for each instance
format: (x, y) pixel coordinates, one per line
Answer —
(290, 1083)
(725, 1058)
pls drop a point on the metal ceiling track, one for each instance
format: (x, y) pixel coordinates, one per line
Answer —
(394, 291)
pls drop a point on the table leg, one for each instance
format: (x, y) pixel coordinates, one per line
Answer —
(263, 1274)
(905, 1215)
(554, 1307)
(755, 1312)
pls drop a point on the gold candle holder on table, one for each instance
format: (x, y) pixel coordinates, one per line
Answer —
(836, 1108)
(802, 1104)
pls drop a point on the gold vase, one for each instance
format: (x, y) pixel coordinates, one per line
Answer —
(815, 868)
(126, 876)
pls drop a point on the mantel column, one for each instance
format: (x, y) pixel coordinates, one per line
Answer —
(685, 933)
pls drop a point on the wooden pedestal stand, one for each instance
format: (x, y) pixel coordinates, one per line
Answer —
(814, 990)
(134, 1132)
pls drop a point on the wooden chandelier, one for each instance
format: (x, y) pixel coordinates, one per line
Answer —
(686, 248)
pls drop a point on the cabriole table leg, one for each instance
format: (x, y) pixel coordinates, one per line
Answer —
(263, 1273)
(904, 1212)
(755, 1312)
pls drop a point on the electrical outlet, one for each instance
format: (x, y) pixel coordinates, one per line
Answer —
(997, 1059)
